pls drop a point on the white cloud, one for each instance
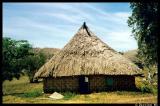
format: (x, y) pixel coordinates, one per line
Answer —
(121, 41)
(123, 14)
(49, 23)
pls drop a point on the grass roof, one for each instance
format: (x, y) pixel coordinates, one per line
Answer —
(86, 54)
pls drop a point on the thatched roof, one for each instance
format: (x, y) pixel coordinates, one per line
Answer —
(86, 54)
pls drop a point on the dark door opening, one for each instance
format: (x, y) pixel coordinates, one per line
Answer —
(109, 83)
(83, 85)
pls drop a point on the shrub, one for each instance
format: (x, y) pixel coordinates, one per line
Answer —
(34, 93)
(154, 90)
(145, 88)
(68, 95)
(149, 89)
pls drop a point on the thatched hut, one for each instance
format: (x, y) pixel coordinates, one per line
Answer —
(87, 64)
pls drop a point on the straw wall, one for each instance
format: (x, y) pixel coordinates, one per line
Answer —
(96, 83)
(60, 84)
(124, 82)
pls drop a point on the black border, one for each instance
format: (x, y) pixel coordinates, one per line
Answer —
(1, 52)
(80, 1)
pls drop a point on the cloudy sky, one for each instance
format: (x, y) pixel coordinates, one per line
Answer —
(54, 24)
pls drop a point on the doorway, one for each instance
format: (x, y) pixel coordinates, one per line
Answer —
(109, 83)
(84, 84)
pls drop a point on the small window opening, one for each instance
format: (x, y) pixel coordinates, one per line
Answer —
(86, 79)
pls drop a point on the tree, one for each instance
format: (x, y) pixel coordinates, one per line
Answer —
(14, 53)
(18, 55)
(33, 63)
(144, 23)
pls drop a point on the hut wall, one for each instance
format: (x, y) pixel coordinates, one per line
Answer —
(121, 82)
(97, 83)
(60, 84)
(126, 82)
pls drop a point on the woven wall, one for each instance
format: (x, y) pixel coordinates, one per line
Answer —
(96, 83)
(60, 84)
(123, 82)
(126, 82)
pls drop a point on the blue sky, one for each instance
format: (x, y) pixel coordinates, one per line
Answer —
(54, 24)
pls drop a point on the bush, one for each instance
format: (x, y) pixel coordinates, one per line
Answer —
(154, 91)
(145, 89)
(34, 93)
(149, 89)
(68, 95)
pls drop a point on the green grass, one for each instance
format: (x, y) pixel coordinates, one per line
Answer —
(21, 91)
(20, 86)
(32, 94)
(68, 95)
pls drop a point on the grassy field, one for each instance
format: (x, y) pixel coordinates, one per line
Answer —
(21, 91)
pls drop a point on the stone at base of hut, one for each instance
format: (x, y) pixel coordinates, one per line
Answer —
(56, 95)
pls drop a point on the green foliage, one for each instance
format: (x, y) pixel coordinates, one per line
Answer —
(148, 88)
(154, 90)
(14, 52)
(144, 23)
(34, 62)
(32, 94)
(69, 95)
(18, 55)
(145, 88)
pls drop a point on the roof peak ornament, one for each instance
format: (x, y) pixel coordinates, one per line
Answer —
(84, 26)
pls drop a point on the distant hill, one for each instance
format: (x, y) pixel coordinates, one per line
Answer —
(49, 52)
(131, 54)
